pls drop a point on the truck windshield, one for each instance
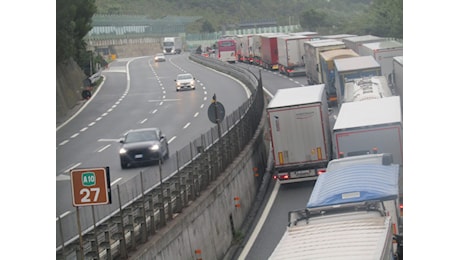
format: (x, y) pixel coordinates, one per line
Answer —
(168, 43)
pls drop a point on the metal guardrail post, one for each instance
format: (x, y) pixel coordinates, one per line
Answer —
(144, 217)
(123, 249)
(151, 212)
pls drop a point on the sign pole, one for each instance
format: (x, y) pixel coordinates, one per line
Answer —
(79, 233)
(95, 233)
(214, 100)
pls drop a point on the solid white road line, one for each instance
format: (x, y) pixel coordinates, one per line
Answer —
(260, 223)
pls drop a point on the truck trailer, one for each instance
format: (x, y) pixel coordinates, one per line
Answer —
(290, 54)
(369, 126)
(383, 52)
(312, 51)
(355, 42)
(300, 133)
(172, 45)
(396, 78)
(269, 51)
(247, 50)
(347, 69)
(345, 217)
(366, 88)
(326, 59)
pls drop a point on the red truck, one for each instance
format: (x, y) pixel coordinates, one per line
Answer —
(269, 51)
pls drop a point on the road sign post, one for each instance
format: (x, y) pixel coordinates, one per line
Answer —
(216, 113)
(90, 186)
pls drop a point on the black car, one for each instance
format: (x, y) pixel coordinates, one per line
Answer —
(140, 146)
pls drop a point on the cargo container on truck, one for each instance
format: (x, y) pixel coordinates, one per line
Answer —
(360, 89)
(300, 133)
(396, 77)
(345, 217)
(311, 35)
(269, 51)
(290, 54)
(337, 36)
(312, 62)
(239, 47)
(383, 52)
(247, 50)
(327, 69)
(347, 69)
(355, 42)
(365, 126)
(172, 45)
(256, 45)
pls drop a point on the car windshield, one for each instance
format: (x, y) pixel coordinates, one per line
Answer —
(184, 77)
(141, 136)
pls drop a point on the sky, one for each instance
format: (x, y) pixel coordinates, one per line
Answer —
(430, 112)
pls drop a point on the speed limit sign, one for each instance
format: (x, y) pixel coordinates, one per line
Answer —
(90, 186)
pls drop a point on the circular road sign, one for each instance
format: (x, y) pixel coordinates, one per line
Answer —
(216, 112)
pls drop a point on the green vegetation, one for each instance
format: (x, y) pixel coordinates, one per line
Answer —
(73, 22)
(381, 18)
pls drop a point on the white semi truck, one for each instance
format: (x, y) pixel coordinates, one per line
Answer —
(172, 45)
(369, 126)
(345, 217)
(347, 69)
(355, 42)
(312, 50)
(366, 88)
(383, 52)
(290, 54)
(396, 78)
(300, 133)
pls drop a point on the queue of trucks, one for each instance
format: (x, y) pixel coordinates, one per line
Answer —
(342, 129)
(354, 209)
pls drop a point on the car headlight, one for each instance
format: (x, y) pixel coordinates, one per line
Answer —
(155, 147)
(123, 151)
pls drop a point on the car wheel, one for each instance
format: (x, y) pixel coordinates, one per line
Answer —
(167, 153)
(124, 165)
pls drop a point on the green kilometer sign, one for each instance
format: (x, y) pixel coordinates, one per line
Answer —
(88, 179)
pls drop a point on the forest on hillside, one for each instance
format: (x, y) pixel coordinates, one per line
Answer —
(382, 17)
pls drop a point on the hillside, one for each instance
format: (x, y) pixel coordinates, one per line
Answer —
(224, 13)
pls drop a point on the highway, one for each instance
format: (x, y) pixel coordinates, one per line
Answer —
(138, 93)
(272, 219)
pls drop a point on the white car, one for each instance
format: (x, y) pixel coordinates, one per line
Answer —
(159, 57)
(185, 81)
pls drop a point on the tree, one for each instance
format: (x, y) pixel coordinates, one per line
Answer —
(385, 19)
(73, 22)
(312, 19)
(390, 12)
(207, 27)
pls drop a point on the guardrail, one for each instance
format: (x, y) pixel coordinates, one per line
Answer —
(141, 205)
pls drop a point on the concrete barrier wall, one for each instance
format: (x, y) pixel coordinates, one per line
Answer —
(207, 224)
